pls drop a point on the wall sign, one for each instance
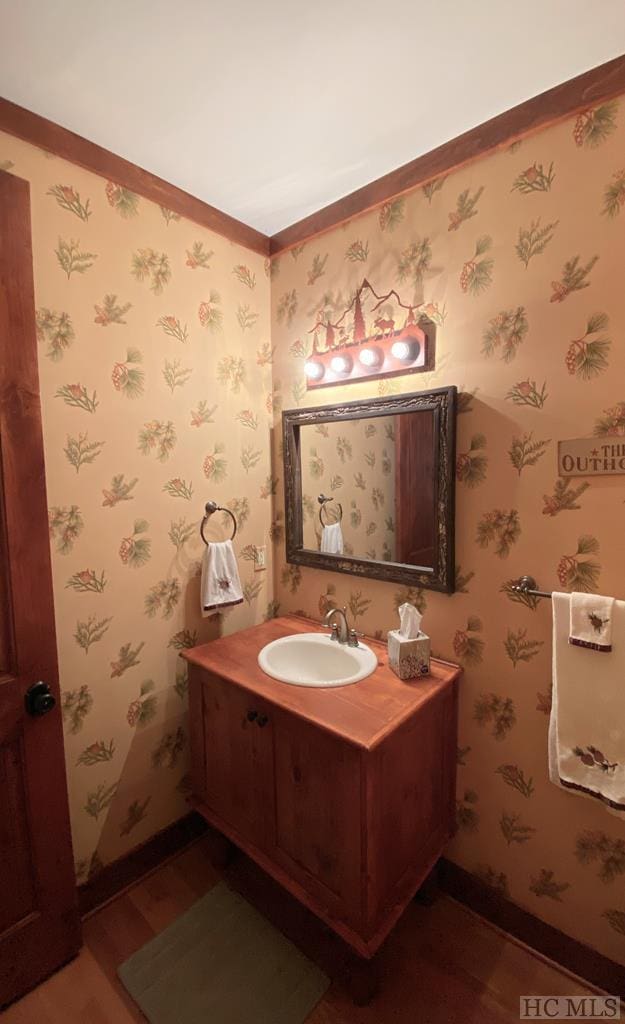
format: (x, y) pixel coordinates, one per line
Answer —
(591, 456)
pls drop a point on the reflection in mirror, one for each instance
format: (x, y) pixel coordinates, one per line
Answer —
(368, 488)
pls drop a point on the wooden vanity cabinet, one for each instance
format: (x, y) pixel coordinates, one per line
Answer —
(235, 778)
(345, 796)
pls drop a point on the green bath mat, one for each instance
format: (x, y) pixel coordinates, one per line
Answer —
(223, 963)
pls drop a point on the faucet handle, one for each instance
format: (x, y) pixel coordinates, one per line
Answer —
(334, 631)
(353, 638)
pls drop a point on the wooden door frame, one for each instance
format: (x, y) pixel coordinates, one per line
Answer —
(20, 417)
(32, 650)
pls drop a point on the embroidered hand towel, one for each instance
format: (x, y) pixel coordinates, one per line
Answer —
(220, 585)
(591, 622)
(587, 724)
(332, 539)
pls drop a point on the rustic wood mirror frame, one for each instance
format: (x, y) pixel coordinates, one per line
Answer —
(442, 402)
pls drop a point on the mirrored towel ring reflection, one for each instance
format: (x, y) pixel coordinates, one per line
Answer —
(338, 511)
(383, 469)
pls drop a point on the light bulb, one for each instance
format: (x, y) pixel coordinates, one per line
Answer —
(341, 364)
(402, 350)
(314, 370)
(370, 357)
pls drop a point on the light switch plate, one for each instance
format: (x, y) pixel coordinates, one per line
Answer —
(260, 562)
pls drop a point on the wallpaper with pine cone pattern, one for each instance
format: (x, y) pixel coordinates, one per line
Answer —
(158, 392)
(155, 375)
(519, 259)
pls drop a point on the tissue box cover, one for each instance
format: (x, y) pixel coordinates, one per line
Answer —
(409, 659)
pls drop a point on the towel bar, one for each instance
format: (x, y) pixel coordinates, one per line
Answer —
(528, 585)
(209, 509)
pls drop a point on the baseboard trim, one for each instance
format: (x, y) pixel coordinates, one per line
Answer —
(563, 950)
(568, 953)
(127, 870)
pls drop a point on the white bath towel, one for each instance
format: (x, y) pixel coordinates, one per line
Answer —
(587, 724)
(332, 539)
(591, 622)
(220, 585)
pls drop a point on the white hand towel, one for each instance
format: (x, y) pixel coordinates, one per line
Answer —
(591, 622)
(587, 724)
(220, 585)
(332, 539)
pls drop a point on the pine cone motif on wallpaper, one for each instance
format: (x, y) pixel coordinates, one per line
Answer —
(135, 550)
(127, 377)
(122, 199)
(588, 356)
(477, 273)
(592, 127)
(576, 573)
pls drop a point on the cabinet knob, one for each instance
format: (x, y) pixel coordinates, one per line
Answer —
(252, 716)
(262, 721)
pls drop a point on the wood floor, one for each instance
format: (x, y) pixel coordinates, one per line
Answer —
(441, 965)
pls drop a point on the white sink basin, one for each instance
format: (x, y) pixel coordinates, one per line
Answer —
(314, 659)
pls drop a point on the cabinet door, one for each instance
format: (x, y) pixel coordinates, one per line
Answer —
(238, 770)
(318, 822)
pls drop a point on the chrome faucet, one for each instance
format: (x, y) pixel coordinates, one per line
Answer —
(341, 630)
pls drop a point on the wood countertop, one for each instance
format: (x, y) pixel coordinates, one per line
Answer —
(362, 713)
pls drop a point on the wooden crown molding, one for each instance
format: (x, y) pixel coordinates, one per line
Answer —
(33, 128)
(594, 86)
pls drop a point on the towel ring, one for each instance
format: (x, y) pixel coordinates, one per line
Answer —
(209, 509)
(323, 502)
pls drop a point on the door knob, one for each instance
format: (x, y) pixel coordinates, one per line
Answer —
(252, 716)
(39, 699)
(262, 721)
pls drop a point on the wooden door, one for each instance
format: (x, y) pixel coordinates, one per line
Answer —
(416, 488)
(39, 923)
(318, 819)
(238, 759)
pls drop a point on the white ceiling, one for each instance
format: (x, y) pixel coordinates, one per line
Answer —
(270, 109)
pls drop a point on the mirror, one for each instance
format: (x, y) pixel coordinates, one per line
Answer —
(370, 485)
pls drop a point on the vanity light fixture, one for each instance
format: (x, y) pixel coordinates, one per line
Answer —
(409, 350)
(372, 358)
(314, 370)
(341, 364)
(376, 335)
(402, 350)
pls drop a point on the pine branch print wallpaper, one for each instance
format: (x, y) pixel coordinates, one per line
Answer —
(159, 392)
(154, 361)
(327, 453)
(519, 258)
